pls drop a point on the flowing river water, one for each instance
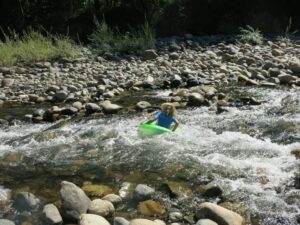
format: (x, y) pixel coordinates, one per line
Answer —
(246, 150)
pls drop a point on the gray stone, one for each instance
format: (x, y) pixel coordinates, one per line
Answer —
(143, 191)
(7, 82)
(92, 108)
(142, 222)
(120, 221)
(174, 56)
(90, 219)
(60, 96)
(113, 198)
(110, 108)
(77, 105)
(195, 99)
(51, 215)
(218, 214)
(149, 54)
(286, 78)
(101, 207)
(175, 216)
(294, 66)
(74, 201)
(26, 201)
(143, 105)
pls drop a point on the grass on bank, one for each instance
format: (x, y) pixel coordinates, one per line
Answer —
(250, 35)
(34, 47)
(105, 40)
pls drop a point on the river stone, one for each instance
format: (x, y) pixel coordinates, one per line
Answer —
(51, 215)
(176, 81)
(110, 108)
(120, 221)
(181, 93)
(126, 190)
(218, 214)
(74, 201)
(195, 99)
(150, 208)
(6, 222)
(175, 216)
(286, 78)
(69, 111)
(143, 105)
(78, 105)
(7, 82)
(60, 96)
(92, 108)
(294, 66)
(178, 188)
(143, 191)
(95, 190)
(210, 190)
(143, 222)
(90, 219)
(149, 54)
(174, 56)
(26, 201)
(101, 207)
(113, 198)
(206, 222)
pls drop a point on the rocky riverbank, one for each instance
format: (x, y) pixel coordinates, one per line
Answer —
(195, 73)
(196, 66)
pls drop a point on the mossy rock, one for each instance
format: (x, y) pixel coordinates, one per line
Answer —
(178, 188)
(151, 208)
(96, 191)
(237, 208)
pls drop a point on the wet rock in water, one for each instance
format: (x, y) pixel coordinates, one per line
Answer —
(143, 192)
(286, 78)
(51, 215)
(151, 208)
(206, 222)
(175, 216)
(92, 108)
(144, 222)
(181, 93)
(110, 108)
(126, 190)
(218, 214)
(6, 222)
(95, 190)
(143, 105)
(210, 190)
(26, 201)
(120, 221)
(176, 81)
(149, 54)
(113, 198)
(38, 112)
(101, 207)
(74, 201)
(90, 219)
(250, 101)
(294, 66)
(192, 82)
(69, 111)
(195, 99)
(296, 153)
(177, 189)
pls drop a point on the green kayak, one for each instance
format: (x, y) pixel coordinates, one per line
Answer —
(151, 129)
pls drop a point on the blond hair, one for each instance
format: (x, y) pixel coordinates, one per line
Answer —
(168, 109)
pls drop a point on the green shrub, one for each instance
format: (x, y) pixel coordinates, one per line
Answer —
(105, 40)
(250, 35)
(33, 47)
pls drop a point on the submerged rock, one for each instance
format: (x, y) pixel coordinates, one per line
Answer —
(26, 201)
(95, 190)
(143, 191)
(151, 208)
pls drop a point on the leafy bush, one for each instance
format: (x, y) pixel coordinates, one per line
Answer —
(250, 35)
(105, 40)
(33, 47)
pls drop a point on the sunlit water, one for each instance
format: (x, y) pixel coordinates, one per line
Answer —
(238, 148)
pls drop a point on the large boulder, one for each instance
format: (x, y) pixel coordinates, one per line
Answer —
(74, 201)
(51, 215)
(218, 214)
(90, 219)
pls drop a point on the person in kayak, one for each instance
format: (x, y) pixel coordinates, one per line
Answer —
(166, 117)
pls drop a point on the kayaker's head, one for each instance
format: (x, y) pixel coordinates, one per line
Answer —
(168, 109)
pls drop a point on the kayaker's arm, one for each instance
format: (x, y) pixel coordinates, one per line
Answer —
(176, 125)
(151, 121)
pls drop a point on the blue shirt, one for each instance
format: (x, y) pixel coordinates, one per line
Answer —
(164, 121)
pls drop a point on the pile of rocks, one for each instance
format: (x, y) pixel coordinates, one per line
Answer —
(179, 62)
(77, 208)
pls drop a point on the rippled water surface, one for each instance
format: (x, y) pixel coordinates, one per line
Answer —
(246, 150)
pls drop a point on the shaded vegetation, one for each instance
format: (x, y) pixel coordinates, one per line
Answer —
(166, 16)
(250, 35)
